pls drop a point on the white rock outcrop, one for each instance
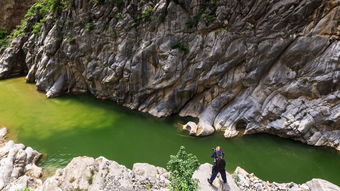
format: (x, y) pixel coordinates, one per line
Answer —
(203, 173)
(18, 168)
(249, 182)
(86, 173)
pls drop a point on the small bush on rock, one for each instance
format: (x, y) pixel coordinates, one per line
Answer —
(181, 167)
(180, 46)
(89, 27)
(3, 36)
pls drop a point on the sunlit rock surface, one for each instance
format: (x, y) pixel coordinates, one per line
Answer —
(18, 168)
(249, 182)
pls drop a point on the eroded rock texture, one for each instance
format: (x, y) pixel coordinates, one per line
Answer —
(85, 173)
(17, 165)
(244, 66)
(249, 182)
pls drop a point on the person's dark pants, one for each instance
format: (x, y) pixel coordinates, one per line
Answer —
(214, 174)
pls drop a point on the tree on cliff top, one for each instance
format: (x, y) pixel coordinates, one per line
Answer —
(181, 167)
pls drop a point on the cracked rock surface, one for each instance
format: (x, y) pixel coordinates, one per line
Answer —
(18, 168)
(240, 66)
(249, 182)
(85, 173)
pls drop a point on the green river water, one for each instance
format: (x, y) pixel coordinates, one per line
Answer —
(71, 126)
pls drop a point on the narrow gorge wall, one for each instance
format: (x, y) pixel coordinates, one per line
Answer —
(244, 66)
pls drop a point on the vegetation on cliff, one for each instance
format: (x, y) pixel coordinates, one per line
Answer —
(181, 167)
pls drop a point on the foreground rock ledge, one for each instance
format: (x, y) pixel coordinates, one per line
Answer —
(18, 171)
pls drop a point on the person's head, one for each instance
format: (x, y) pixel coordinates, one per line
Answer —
(218, 148)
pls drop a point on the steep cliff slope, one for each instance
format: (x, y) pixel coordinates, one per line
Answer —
(240, 66)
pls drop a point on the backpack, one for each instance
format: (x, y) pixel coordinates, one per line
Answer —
(219, 155)
(220, 164)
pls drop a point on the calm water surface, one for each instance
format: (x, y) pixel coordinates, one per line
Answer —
(72, 126)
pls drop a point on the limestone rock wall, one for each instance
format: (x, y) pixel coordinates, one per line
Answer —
(244, 66)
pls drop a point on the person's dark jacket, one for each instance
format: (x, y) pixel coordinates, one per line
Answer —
(216, 153)
(219, 165)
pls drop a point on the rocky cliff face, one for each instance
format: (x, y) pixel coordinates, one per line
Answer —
(238, 66)
(12, 12)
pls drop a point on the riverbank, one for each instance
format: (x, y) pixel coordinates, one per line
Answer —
(18, 171)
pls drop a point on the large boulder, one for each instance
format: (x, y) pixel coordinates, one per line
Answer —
(18, 168)
(249, 182)
(203, 172)
(86, 173)
(321, 185)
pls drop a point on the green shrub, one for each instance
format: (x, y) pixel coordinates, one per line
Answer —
(37, 28)
(89, 27)
(148, 186)
(222, 30)
(146, 14)
(207, 15)
(3, 32)
(25, 189)
(134, 24)
(41, 8)
(208, 18)
(112, 32)
(3, 37)
(118, 3)
(3, 42)
(90, 180)
(180, 46)
(181, 167)
(119, 16)
(70, 40)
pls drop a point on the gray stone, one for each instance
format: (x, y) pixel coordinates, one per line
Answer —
(17, 166)
(204, 172)
(321, 185)
(85, 173)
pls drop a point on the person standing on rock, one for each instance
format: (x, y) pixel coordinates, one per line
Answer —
(217, 152)
(219, 165)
